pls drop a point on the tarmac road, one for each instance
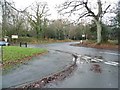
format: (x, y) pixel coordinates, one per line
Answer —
(84, 77)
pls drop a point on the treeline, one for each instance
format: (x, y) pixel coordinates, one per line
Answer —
(34, 22)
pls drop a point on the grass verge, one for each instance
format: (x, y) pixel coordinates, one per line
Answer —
(110, 45)
(13, 55)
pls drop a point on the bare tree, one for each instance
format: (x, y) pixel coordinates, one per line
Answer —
(37, 15)
(82, 8)
(12, 18)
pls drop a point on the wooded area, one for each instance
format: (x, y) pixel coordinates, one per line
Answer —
(34, 21)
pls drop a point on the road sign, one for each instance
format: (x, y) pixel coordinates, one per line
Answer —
(14, 36)
(83, 35)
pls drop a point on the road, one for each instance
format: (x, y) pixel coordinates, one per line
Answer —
(55, 61)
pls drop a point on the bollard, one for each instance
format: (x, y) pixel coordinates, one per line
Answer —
(20, 44)
(81, 41)
(23, 44)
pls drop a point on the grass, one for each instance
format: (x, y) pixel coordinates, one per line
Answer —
(14, 56)
(15, 53)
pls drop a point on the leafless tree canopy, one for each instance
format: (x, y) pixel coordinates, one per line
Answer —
(82, 8)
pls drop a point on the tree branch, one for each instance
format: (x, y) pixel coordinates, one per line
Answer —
(15, 8)
(89, 10)
(43, 9)
(65, 6)
(106, 9)
(82, 16)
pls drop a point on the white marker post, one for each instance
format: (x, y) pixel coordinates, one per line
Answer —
(81, 41)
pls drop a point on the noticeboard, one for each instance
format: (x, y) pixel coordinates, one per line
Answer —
(15, 36)
(83, 35)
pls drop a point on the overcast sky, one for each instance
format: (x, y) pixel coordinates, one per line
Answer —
(21, 4)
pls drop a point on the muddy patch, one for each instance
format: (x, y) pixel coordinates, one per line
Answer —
(96, 68)
(52, 78)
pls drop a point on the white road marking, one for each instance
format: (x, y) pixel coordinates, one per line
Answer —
(110, 53)
(96, 60)
(73, 59)
(112, 63)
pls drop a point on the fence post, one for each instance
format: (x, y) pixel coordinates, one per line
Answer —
(23, 44)
(20, 44)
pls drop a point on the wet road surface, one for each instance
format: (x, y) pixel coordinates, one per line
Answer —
(37, 68)
(84, 77)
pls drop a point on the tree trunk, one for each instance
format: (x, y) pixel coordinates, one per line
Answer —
(99, 30)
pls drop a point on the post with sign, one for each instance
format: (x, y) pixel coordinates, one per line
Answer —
(14, 38)
(83, 36)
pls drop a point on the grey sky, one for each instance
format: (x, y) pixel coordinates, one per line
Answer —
(21, 4)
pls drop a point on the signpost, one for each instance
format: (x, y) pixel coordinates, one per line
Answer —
(83, 36)
(14, 37)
